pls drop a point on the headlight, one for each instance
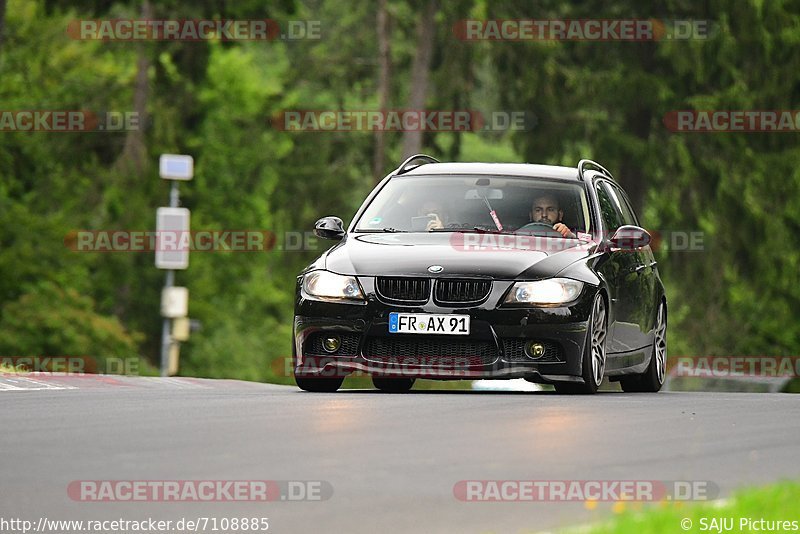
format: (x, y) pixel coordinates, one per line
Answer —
(544, 292)
(327, 285)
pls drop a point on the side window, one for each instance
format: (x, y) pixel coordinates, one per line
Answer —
(628, 216)
(610, 213)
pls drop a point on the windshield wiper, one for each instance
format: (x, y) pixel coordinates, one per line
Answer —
(484, 230)
(475, 229)
(380, 230)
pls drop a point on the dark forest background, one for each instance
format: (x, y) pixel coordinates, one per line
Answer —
(739, 295)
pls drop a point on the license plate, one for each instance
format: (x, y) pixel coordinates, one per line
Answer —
(428, 323)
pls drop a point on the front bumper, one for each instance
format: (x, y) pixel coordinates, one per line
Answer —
(495, 347)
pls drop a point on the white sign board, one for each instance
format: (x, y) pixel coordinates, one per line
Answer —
(174, 302)
(172, 238)
(176, 167)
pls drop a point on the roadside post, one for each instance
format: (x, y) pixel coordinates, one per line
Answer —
(172, 253)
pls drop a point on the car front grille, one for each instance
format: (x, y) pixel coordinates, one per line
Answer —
(461, 291)
(402, 290)
(430, 351)
(348, 347)
(514, 351)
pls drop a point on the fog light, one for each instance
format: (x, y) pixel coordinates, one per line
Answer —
(534, 350)
(331, 343)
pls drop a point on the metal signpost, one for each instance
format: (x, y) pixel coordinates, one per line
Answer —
(172, 253)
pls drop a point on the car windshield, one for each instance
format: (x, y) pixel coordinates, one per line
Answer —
(476, 203)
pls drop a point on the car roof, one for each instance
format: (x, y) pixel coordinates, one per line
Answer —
(503, 169)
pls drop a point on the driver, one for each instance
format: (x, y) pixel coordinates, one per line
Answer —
(546, 209)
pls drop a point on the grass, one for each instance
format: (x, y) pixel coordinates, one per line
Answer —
(793, 386)
(776, 502)
(7, 369)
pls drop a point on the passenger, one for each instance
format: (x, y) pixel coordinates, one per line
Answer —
(432, 208)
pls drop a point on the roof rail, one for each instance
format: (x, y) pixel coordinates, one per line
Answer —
(586, 162)
(408, 164)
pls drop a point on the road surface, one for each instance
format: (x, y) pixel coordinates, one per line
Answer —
(391, 460)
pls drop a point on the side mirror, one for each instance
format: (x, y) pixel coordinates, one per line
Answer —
(629, 237)
(329, 228)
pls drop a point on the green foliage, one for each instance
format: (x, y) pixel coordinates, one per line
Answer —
(773, 503)
(215, 100)
(51, 321)
(607, 101)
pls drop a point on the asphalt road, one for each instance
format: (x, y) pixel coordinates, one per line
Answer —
(391, 460)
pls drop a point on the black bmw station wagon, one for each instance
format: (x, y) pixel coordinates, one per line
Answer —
(459, 271)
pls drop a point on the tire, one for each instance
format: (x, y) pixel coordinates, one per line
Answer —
(593, 363)
(317, 384)
(653, 378)
(393, 385)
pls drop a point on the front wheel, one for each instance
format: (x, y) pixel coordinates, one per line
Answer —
(318, 384)
(653, 378)
(393, 385)
(593, 365)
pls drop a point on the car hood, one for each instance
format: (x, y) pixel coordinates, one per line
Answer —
(502, 257)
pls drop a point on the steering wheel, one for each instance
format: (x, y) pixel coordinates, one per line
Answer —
(539, 228)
